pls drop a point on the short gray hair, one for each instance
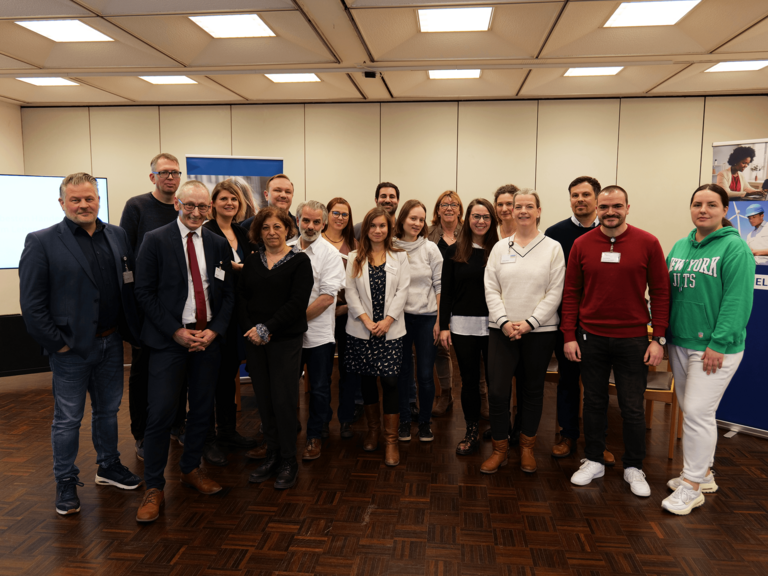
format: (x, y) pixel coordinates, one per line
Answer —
(529, 192)
(75, 180)
(165, 156)
(312, 205)
(181, 192)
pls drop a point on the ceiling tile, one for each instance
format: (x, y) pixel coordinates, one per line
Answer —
(136, 7)
(18, 9)
(7, 63)
(140, 90)
(430, 3)
(491, 84)
(694, 79)
(12, 88)
(753, 40)
(259, 87)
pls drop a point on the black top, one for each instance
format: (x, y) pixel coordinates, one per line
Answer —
(102, 262)
(142, 214)
(463, 287)
(244, 246)
(566, 233)
(277, 298)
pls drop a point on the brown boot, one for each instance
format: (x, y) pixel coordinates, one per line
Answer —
(484, 410)
(149, 510)
(373, 415)
(444, 403)
(527, 460)
(562, 448)
(392, 448)
(497, 459)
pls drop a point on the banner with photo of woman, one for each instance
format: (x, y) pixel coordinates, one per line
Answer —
(741, 168)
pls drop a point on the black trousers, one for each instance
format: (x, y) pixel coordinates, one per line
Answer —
(275, 369)
(533, 351)
(470, 351)
(389, 392)
(225, 413)
(568, 391)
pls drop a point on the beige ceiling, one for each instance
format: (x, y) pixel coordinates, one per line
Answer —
(525, 54)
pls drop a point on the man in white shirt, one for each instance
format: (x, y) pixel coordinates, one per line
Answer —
(319, 340)
(757, 240)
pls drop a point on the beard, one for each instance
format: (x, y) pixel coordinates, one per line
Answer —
(309, 239)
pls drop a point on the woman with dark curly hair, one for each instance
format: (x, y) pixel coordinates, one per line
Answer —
(732, 179)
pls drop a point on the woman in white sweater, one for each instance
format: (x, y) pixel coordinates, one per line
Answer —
(422, 327)
(523, 287)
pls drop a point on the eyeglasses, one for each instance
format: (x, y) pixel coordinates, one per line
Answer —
(483, 217)
(446, 206)
(337, 214)
(165, 174)
(191, 207)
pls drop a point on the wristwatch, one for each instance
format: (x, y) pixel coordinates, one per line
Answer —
(660, 339)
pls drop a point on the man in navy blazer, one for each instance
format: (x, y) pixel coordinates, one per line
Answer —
(184, 285)
(77, 302)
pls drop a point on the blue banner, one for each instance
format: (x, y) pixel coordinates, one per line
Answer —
(233, 166)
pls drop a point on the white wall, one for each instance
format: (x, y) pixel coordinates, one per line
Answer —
(11, 162)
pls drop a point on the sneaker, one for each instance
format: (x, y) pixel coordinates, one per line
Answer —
(139, 447)
(683, 500)
(637, 483)
(425, 432)
(67, 501)
(117, 475)
(404, 432)
(707, 487)
(589, 471)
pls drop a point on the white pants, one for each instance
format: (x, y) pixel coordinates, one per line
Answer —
(699, 396)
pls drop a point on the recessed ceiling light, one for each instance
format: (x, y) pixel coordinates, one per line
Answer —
(455, 19)
(738, 66)
(453, 74)
(281, 78)
(602, 71)
(65, 30)
(168, 79)
(664, 13)
(49, 81)
(233, 26)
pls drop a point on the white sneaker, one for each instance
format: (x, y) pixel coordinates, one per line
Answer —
(707, 487)
(683, 500)
(637, 483)
(589, 471)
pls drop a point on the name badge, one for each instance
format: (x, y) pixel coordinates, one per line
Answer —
(508, 258)
(219, 273)
(391, 269)
(128, 277)
(612, 257)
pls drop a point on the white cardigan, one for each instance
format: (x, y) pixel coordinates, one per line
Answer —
(724, 180)
(359, 301)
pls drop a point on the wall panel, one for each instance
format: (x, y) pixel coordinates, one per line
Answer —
(11, 162)
(57, 141)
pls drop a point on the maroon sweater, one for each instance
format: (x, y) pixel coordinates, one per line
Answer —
(608, 299)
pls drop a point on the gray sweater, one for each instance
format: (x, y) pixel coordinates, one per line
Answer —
(426, 268)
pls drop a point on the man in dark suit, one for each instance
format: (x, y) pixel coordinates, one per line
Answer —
(76, 284)
(184, 285)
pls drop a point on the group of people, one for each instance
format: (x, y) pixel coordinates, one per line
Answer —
(215, 281)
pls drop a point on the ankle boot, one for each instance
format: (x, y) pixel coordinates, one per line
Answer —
(527, 460)
(497, 459)
(373, 416)
(470, 442)
(392, 448)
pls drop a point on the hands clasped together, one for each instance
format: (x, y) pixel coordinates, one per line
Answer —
(194, 340)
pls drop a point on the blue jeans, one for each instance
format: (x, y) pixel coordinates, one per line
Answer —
(100, 374)
(418, 332)
(319, 361)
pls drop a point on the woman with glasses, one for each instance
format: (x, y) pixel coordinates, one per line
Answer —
(463, 311)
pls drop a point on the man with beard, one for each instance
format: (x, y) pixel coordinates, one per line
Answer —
(605, 324)
(319, 340)
(388, 197)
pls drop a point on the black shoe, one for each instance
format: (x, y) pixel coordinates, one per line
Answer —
(287, 474)
(267, 469)
(358, 413)
(414, 412)
(346, 430)
(404, 432)
(117, 475)
(67, 501)
(213, 454)
(470, 442)
(425, 432)
(231, 438)
(326, 431)
(139, 447)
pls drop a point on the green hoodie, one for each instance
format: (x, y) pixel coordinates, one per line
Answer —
(712, 288)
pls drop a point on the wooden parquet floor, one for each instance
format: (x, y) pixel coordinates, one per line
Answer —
(349, 514)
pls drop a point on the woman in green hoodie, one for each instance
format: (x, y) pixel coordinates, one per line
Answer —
(712, 272)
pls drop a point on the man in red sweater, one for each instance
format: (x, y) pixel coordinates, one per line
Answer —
(604, 324)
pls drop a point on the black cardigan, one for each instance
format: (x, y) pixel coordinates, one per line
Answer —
(240, 233)
(462, 286)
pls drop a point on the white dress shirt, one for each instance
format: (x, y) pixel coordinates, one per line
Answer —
(188, 315)
(758, 240)
(328, 270)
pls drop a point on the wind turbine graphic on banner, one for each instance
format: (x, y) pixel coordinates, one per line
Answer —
(737, 215)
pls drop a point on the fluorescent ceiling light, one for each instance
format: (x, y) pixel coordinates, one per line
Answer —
(282, 78)
(650, 13)
(65, 30)
(48, 81)
(455, 19)
(168, 79)
(738, 66)
(602, 71)
(453, 74)
(233, 26)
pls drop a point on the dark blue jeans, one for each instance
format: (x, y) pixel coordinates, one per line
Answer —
(100, 375)
(568, 391)
(418, 333)
(319, 361)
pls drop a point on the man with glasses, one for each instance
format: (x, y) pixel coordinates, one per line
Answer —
(184, 284)
(387, 196)
(142, 214)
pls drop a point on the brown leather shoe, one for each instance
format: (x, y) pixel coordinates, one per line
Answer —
(444, 403)
(257, 453)
(392, 448)
(484, 409)
(562, 448)
(312, 449)
(527, 460)
(373, 416)
(199, 480)
(498, 457)
(608, 459)
(149, 511)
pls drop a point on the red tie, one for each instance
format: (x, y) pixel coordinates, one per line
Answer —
(200, 313)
